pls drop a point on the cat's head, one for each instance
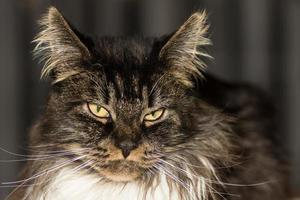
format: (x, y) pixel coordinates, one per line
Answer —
(120, 104)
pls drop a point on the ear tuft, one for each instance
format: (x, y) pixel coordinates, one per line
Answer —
(184, 50)
(59, 47)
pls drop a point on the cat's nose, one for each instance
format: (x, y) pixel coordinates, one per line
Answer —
(126, 147)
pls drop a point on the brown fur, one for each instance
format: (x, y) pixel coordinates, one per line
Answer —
(211, 143)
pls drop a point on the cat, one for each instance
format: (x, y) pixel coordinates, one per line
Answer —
(139, 118)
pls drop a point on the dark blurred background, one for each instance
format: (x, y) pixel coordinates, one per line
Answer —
(257, 41)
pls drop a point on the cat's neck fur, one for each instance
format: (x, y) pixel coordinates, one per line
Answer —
(78, 186)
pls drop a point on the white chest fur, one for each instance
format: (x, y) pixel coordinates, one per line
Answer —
(69, 185)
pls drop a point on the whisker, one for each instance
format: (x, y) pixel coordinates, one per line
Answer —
(40, 155)
(213, 190)
(35, 176)
(219, 181)
(172, 176)
(56, 151)
(45, 158)
(44, 171)
(78, 168)
(83, 165)
(172, 157)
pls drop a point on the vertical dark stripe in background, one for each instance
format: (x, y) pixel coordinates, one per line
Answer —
(33, 90)
(132, 16)
(277, 41)
(255, 24)
(10, 90)
(110, 15)
(292, 80)
(277, 60)
(232, 41)
(225, 16)
(254, 40)
(90, 11)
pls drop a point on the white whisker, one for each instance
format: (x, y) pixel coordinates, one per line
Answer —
(35, 176)
(43, 171)
(41, 155)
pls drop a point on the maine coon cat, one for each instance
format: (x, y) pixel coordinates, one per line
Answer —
(134, 118)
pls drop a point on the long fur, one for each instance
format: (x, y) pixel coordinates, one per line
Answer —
(58, 47)
(184, 52)
(212, 141)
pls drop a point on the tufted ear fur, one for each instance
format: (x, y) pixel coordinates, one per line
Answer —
(59, 47)
(183, 51)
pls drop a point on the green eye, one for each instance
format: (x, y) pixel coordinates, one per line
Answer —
(155, 115)
(98, 111)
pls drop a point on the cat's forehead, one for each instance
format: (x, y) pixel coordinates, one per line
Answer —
(129, 88)
(127, 66)
(123, 51)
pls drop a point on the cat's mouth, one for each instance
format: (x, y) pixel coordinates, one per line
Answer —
(122, 170)
(114, 166)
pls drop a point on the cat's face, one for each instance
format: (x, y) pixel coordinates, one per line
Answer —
(125, 120)
(126, 115)
(119, 104)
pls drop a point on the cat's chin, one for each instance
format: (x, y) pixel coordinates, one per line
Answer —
(121, 172)
(121, 177)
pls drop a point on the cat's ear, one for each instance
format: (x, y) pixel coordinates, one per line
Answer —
(58, 45)
(183, 52)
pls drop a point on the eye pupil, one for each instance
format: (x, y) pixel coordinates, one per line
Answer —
(155, 115)
(98, 108)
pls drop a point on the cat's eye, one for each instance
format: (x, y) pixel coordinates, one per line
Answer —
(154, 116)
(98, 110)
